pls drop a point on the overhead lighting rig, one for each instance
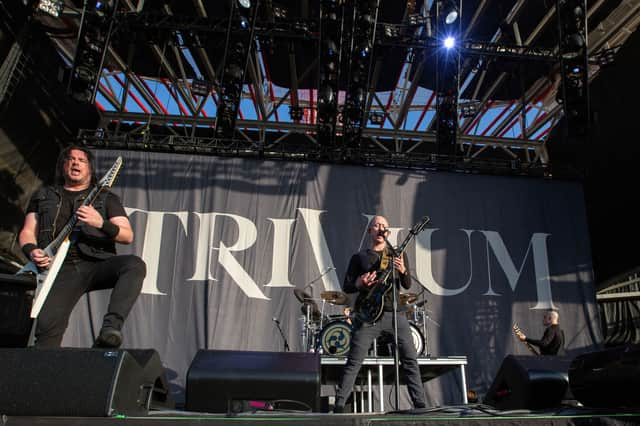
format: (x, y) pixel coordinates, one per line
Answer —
(95, 31)
(574, 91)
(362, 39)
(331, 18)
(238, 44)
(448, 29)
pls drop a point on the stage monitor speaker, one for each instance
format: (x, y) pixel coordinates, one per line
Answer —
(16, 296)
(221, 381)
(609, 378)
(525, 382)
(73, 382)
(153, 373)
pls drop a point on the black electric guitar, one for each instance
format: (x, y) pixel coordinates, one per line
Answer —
(370, 307)
(57, 249)
(517, 330)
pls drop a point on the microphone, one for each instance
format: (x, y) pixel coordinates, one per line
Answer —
(276, 320)
(383, 232)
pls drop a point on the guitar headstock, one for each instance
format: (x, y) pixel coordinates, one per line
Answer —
(109, 178)
(418, 227)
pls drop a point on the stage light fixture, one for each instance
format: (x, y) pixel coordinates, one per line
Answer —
(449, 42)
(417, 20)
(391, 31)
(280, 12)
(450, 12)
(605, 57)
(376, 118)
(468, 110)
(52, 7)
(200, 87)
(244, 3)
(296, 113)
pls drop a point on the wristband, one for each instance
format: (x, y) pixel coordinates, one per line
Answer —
(28, 248)
(109, 228)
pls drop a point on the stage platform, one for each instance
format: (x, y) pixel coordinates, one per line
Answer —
(378, 371)
(472, 414)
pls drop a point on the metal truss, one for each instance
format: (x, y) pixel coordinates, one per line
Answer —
(392, 147)
(477, 140)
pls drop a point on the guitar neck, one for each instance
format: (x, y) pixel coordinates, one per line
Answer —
(529, 346)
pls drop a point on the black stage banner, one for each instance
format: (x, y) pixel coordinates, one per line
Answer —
(227, 240)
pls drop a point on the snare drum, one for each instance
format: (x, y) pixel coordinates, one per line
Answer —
(334, 339)
(385, 341)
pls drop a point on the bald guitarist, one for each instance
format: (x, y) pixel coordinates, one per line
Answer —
(361, 277)
(552, 341)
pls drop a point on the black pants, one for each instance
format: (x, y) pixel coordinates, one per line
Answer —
(361, 339)
(124, 274)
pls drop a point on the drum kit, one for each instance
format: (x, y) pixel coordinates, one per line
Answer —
(330, 334)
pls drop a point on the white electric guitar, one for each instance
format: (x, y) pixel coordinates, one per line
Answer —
(57, 249)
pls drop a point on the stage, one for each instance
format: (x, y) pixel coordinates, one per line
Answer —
(469, 414)
(376, 372)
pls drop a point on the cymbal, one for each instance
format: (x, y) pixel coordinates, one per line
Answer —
(335, 297)
(408, 298)
(301, 295)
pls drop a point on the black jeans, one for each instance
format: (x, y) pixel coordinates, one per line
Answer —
(124, 274)
(361, 339)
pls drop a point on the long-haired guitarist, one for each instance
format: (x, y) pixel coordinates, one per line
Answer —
(362, 275)
(552, 341)
(91, 262)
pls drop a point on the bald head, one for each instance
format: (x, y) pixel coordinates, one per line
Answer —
(551, 317)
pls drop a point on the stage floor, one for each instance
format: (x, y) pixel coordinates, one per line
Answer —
(468, 414)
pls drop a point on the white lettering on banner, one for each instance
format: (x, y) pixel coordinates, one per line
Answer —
(538, 245)
(424, 267)
(282, 231)
(151, 245)
(247, 236)
(320, 248)
(281, 253)
(203, 247)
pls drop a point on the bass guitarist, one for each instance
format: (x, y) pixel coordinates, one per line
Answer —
(91, 262)
(362, 274)
(552, 341)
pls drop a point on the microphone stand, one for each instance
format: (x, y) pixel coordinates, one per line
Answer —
(396, 354)
(286, 344)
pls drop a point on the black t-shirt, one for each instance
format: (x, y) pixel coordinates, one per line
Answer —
(67, 207)
(367, 261)
(552, 341)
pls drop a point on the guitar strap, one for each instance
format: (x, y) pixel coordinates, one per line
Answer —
(384, 260)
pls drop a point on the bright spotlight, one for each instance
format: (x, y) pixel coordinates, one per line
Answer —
(449, 42)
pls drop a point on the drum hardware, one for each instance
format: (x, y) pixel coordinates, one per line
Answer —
(335, 297)
(419, 315)
(407, 298)
(312, 315)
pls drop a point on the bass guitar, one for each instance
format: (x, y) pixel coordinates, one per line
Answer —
(370, 307)
(517, 331)
(57, 249)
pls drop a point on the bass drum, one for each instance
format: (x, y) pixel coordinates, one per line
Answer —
(334, 339)
(385, 341)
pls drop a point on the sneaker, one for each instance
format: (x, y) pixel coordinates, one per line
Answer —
(109, 338)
